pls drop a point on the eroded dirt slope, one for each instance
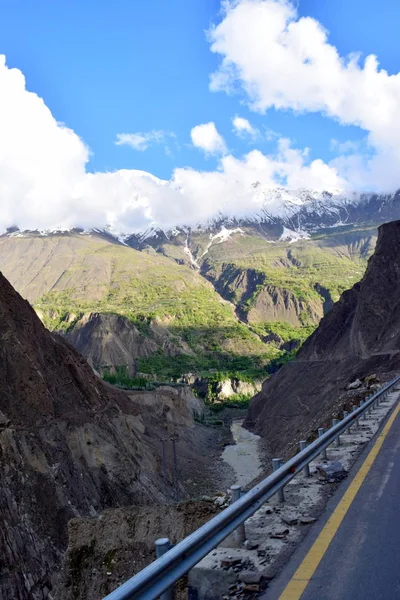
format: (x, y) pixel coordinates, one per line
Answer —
(103, 553)
(72, 446)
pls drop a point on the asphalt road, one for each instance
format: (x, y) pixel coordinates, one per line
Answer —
(362, 561)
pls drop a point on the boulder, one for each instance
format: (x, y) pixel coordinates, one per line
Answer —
(371, 380)
(331, 471)
(354, 385)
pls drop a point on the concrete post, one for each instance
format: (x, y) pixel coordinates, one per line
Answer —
(306, 469)
(351, 410)
(162, 546)
(321, 432)
(358, 420)
(276, 464)
(346, 414)
(240, 532)
(365, 413)
(337, 440)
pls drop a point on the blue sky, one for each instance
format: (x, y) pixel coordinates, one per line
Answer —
(130, 66)
(104, 69)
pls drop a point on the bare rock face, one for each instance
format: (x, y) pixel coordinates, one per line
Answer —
(70, 446)
(277, 304)
(109, 340)
(359, 336)
(267, 302)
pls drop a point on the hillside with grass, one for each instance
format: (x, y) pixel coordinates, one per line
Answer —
(179, 323)
(269, 279)
(279, 287)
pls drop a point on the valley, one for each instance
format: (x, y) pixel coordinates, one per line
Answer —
(112, 459)
(199, 298)
(88, 286)
(73, 447)
(192, 306)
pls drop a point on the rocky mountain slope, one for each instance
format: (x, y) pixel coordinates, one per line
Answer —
(280, 285)
(211, 310)
(72, 446)
(104, 553)
(358, 337)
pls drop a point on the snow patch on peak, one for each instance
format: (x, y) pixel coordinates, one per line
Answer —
(149, 233)
(291, 236)
(225, 234)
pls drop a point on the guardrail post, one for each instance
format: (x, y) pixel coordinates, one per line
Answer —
(321, 432)
(351, 410)
(365, 417)
(346, 414)
(370, 408)
(358, 420)
(162, 546)
(337, 440)
(240, 532)
(306, 468)
(276, 464)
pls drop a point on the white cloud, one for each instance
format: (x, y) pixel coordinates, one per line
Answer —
(243, 128)
(44, 183)
(207, 138)
(347, 147)
(40, 159)
(283, 61)
(141, 141)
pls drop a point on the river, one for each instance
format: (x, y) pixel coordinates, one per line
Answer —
(243, 456)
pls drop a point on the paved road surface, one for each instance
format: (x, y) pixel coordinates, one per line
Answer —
(363, 560)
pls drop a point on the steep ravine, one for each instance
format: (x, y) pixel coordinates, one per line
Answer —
(358, 337)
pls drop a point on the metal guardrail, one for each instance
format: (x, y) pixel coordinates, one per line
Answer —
(160, 575)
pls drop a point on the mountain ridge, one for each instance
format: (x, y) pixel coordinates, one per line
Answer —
(302, 209)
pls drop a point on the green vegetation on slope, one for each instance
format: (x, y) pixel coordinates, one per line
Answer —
(209, 361)
(285, 332)
(312, 270)
(120, 377)
(74, 275)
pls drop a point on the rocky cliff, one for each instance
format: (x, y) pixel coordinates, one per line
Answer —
(72, 446)
(258, 301)
(278, 304)
(110, 340)
(359, 336)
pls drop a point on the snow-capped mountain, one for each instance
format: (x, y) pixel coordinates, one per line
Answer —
(286, 215)
(275, 212)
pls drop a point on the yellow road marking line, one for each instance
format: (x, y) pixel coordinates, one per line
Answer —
(306, 570)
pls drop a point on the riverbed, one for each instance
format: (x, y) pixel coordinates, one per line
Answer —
(243, 456)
